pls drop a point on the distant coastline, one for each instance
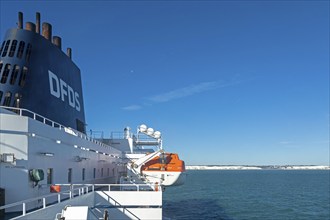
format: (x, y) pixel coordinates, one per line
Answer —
(246, 167)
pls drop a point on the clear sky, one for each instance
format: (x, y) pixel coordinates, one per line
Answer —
(226, 82)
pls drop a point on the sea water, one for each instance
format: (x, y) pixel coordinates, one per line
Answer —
(250, 194)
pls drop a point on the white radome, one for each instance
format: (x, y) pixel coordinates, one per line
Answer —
(157, 134)
(143, 128)
(150, 131)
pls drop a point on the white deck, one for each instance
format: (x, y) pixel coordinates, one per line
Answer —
(86, 202)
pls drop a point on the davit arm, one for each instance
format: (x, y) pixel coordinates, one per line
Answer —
(137, 165)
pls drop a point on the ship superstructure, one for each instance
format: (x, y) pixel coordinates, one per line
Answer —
(44, 148)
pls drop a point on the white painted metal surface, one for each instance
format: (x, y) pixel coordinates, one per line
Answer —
(75, 213)
(90, 202)
(36, 145)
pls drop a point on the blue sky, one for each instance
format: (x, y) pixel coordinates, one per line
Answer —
(226, 82)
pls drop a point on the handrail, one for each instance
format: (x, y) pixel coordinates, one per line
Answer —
(43, 198)
(53, 124)
(86, 188)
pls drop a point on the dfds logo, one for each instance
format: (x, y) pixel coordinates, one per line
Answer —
(59, 88)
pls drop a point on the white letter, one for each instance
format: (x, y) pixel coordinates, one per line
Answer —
(71, 97)
(53, 78)
(63, 91)
(77, 101)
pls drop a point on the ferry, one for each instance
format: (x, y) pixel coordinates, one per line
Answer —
(50, 168)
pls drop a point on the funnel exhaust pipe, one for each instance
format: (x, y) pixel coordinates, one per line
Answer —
(30, 26)
(38, 22)
(47, 31)
(69, 52)
(57, 41)
(20, 20)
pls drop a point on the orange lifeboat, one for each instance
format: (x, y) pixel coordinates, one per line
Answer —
(165, 162)
(167, 167)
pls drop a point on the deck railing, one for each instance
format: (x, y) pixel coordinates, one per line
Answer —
(44, 120)
(75, 191)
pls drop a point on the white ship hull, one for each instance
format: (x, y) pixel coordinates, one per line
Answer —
(64, 157)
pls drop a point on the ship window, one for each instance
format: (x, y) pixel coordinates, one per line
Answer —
(3, 44)
(6, 48)
(83, 174)
(5, 73)
(1, 93)
(20, 49)
(7, 99)
(28, 53)
(94, 173)
(23, 76)
(50, 176)
(102, 172)
(14, 74)
(69, 175)
(17, 100)
(12, 48)
(108, 171)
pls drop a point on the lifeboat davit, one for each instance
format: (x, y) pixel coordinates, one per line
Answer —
(166, 169)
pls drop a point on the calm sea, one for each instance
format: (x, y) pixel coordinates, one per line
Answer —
(250, 194)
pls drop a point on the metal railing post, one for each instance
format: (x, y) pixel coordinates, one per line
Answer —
(44, 203)
(59, 198)
(24, 209)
